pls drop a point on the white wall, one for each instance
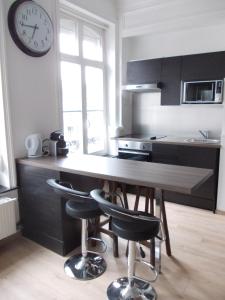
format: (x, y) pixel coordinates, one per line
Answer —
(140, 17)
(183, 120)
(188, 41)
(32, 89)
(33, 82)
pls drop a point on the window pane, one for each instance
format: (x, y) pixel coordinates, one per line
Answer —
(92, 44)
(73, 130)
(94, 88)
(71, 86)
(69, 37)
(95, 127)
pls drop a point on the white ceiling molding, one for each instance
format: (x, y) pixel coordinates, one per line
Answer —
(131, 5)
(166, 16)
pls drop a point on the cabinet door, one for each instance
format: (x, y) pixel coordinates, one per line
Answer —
(143, 71)
(165, 154)
(42, 211)
(40, 207)
(171, 81)
(200, 157)
(207, 66)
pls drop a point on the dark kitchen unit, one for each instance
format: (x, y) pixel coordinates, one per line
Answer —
(193, 156)
(170, 73)
(42, 212)
(153, 149)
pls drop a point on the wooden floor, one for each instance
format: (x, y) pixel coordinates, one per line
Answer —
(196, 271)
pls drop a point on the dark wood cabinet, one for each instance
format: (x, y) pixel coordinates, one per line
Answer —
(42, 211)
(165, 153)
(208, 66)
(144, 71)
(201, 157)
(171, 71)
(171, 81)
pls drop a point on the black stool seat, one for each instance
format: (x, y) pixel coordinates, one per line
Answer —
(133, 226)
(137, 230)
(83, 211)
(80, 205)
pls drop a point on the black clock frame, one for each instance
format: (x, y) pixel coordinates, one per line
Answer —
(12, 29)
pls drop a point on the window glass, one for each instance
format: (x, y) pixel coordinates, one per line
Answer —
(73, 131)
(71, 86)
(69, 37)
(92, 44)
(82, 79)
(94, 88)
(95, 127)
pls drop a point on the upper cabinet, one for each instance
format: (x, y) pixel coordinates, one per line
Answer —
(144, 71)
(171, 71)
(208, 66)
(171, 81)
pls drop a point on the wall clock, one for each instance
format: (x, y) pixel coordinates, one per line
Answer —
(30, 27)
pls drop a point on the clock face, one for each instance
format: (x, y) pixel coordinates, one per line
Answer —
(30, 27)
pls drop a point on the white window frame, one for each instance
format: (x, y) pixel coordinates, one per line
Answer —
(83, 62)
(8, 176)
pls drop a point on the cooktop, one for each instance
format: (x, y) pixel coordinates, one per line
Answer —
(144, 137)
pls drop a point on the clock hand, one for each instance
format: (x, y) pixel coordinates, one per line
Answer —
(35, 28)
(31, 26)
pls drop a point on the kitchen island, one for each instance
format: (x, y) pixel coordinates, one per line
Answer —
(42, 212)
(182, 151)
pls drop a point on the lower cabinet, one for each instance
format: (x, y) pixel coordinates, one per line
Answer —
(42, 211)
(200, 157)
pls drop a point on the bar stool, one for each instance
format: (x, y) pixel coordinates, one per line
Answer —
(88, 264)
(133, 226)
(149, 206)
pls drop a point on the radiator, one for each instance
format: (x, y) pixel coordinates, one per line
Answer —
(7, 217)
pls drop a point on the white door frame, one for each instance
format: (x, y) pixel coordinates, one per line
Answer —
(7, 132)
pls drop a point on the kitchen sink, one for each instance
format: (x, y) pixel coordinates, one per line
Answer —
(204, 141)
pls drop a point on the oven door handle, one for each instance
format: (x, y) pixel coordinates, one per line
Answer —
(134, 152)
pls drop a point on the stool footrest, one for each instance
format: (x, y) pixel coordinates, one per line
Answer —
(151, 267)
(99, 241)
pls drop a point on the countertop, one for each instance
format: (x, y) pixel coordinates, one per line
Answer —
(185, 141)
(166, 177)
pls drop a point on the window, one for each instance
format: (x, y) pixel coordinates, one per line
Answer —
(83, 85)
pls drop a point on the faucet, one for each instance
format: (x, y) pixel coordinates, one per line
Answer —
(204, 133)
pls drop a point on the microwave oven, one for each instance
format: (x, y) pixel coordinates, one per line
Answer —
(200, 92)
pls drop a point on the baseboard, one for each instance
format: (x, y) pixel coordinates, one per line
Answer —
(220, 212)
(10, 238)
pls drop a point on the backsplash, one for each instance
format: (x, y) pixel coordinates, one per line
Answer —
(184, 120)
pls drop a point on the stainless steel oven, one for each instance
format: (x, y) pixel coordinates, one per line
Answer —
(135, 150)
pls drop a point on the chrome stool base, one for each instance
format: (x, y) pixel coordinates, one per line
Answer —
(120, 289)
(85, 268)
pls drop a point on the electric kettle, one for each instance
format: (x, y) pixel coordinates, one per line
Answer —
(33, 144)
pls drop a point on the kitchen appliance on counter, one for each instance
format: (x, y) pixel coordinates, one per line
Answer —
(136, 147)
(134, 150)
(201, 92)
(57, 144)
(33, 144)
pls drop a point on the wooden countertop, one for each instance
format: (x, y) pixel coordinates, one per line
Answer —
(166, 177)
